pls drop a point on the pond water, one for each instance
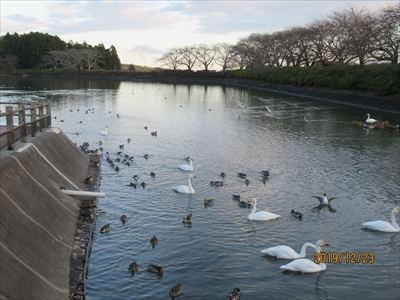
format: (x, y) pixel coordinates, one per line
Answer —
(309, 148)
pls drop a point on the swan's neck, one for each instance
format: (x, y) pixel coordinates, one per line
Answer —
(190, 184)
(191, 164)
(304, 248)
(253, 210)
(394, 220)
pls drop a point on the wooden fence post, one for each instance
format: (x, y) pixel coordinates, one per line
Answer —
(41, 116)
(33, 120)
(22, 120)
(10, 127)
(48, 113)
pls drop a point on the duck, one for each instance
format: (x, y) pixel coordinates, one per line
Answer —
(155, 269)
(88, 180)
(188, 167)
(104, 132)
(236, 196)
(129, 140)
(244, 204)
(265, 173)
(152, 174)
(304, 265)
(184, 188)
(208, 201)
(136, 177)
(222, 174)
(154, 240)
(285, 252)
(325, 200)
(296, 214)
(133, 184)
(145, 127)
(124, 218)
(133, 267)
(370, 120)
(265, 179)
(242, 175)
(383, 225)
(176, 290)
(235, 294)
(260, 215)
(187, 219)
(217, 183)
(247, 182)
(105, 228)
(121, 146)
(146, 156)
(143, 184)
(154, 133)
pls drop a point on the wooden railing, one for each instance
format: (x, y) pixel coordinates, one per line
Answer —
(39, 115)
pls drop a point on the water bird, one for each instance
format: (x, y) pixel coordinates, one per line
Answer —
(88, 180)
(370, 120)
(145, 127)
(285, 252)
(296, 214)
(222, 174)
(304, 265)
(324, 200)
(133, 267)
(154, 133)
(260, 215)
(143, 184)
(105, 228)
(234, 295)
(217, 183)
(154, 240)
(146, 156)
(264, 180)
(242, 175)
(152, 174)
(104, 132)
(184, 188)
(208, 201)
(383, 225)
(129, 140)
(121, 146)
(155, 269)
(244, 204)
(124, 218)
(133, 184)
(187, 219)
(265, 173)
(188, 167)
(247, 182)
(136, 177)
(236, 196)
(176, 290)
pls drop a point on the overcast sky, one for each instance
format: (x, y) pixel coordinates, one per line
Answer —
(160, 25)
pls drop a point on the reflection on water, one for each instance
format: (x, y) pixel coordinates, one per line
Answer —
(308, 147)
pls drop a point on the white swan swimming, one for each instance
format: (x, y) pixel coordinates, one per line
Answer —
(324, 200)
(370, 120)
(184, 188)
(188, 167)
(304, 265)
(260, 215)
(104, 132)
(285, 252)
(383, 225)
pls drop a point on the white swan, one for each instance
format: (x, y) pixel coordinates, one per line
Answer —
(184, 188)
(260, 215)
(104, 132)
(188, 167)
(304, 265)
(383, 225)
(285, 252)
(370, 120)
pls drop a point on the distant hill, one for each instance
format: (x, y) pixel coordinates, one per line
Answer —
(145, 49)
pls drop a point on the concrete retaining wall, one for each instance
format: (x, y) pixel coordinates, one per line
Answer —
(37, 220)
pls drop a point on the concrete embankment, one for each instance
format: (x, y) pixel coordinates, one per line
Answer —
(38, 221)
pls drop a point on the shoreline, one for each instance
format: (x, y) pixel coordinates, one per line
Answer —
(389, 104)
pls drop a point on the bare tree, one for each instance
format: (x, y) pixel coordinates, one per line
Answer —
(9, 62)
(171, 59)
(90, 58)
(318, 33)
(386, 34)
(205, 55)
(225, 56)
(188, 56)
(242, 54)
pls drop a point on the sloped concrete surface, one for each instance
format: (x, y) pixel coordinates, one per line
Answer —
(37, 220)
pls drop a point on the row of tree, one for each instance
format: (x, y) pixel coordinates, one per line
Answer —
(348, 36)
(41, 50)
